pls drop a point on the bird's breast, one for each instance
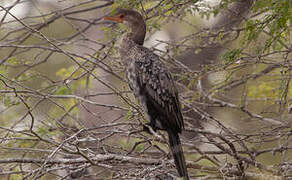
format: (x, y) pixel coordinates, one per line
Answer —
(132, 78)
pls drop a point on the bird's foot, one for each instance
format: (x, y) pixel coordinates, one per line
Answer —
(147, 128)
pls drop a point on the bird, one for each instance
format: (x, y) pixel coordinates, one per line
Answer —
(151, 83)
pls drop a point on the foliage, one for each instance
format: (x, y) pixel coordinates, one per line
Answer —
(65, 104)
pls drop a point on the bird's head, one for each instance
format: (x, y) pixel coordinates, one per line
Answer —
(133, 20)
(126, 16)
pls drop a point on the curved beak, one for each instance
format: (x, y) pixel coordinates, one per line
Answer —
(114, 19)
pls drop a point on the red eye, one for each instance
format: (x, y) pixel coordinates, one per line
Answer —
(121, 16)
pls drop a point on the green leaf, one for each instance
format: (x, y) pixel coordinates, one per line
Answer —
(63, 90)
(231, 56)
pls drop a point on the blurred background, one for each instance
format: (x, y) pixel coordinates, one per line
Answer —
(66, 111)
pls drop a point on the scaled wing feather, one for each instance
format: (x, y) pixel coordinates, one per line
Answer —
(160, 89)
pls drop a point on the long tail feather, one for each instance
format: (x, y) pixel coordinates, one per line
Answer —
(178, 155)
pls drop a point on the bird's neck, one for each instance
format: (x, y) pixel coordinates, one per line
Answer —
(138, 32)
(134, 38)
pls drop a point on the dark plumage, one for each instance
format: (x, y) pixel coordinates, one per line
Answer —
(152, 84)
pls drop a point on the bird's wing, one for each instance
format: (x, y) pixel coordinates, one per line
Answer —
(160, 89)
